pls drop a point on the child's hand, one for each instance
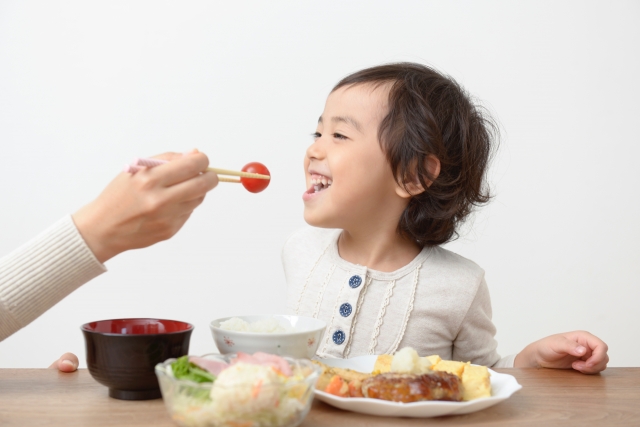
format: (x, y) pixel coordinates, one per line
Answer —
(579, 350)
(68, 362)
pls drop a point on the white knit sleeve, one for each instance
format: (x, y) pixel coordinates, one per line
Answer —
(39, 274)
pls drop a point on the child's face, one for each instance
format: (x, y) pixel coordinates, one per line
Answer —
(347, 165)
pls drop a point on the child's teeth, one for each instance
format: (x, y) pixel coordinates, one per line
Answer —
(321, 183)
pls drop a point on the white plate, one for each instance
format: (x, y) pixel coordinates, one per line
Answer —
(502, 385)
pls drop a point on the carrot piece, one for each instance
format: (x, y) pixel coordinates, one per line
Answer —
(255, 390)
(335, 385)
(355, 389)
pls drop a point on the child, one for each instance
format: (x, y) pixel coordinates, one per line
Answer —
(398, 162)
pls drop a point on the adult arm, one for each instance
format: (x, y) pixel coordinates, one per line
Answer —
(134, 211)
(40, 273)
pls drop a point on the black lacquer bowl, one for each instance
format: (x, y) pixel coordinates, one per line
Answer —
(122, 353)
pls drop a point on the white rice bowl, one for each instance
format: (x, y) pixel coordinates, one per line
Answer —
(283, 335)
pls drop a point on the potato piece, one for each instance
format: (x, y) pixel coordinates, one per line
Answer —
(450, 366)
(349, 374)
(475, 382)
(405, 361)
(423, 366)
(408, 356)
(328, 373)
(434, 359)
(324, 377)
(383, 364)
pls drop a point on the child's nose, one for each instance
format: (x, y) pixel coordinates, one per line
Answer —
(316, 149)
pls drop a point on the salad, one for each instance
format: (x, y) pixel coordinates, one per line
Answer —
(241, 390)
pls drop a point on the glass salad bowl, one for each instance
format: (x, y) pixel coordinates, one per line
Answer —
(243, 394)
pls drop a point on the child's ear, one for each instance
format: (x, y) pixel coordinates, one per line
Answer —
(413, 187)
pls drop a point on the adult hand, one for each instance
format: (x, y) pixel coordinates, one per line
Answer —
(136, 211)
(579, 350)
(68, 362)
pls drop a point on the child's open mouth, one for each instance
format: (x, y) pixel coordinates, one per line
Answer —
(319, 183)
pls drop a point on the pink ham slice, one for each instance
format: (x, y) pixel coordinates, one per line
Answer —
(264, 359)
(276, 361)
(212, 366)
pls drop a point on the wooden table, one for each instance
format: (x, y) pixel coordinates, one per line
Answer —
(45, 397)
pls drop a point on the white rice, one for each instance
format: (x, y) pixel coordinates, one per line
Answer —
(266, 326)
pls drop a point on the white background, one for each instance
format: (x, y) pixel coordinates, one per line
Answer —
(87, 86)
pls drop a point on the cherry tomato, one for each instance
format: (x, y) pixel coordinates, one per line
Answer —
(255, 185)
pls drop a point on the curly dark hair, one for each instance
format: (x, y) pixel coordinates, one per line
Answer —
(431, 114)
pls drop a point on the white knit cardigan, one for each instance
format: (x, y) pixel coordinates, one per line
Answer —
(438, 303)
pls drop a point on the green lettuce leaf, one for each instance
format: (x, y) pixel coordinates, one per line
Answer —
(185, 370)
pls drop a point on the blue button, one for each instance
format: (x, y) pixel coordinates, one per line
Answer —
(345, 309)
(355, 281)
(338, 337)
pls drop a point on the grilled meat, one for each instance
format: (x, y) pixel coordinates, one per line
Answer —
(413, 388)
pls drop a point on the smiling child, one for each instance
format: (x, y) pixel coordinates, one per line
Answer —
(398, 161)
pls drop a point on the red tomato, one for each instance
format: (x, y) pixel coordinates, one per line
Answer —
(255, 185)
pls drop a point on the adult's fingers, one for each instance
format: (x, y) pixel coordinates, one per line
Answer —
(175, 211)
(194, 188)
(180, 170)
(178, 223)
(68, 362)
(169, 156)
(189, 206)
(174, 156)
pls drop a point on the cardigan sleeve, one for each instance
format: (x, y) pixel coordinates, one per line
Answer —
(39, 274)
(475, 341)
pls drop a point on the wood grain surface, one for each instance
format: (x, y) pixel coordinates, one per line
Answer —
(45, 397)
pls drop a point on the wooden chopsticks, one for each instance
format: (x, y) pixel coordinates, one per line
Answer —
(140, 162)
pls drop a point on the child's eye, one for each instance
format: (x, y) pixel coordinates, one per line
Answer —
(316, 135)
(339, 136)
